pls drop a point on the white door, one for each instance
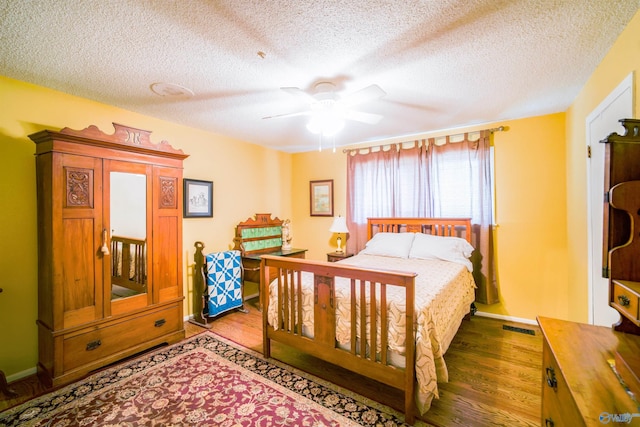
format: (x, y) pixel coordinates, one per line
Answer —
(600, 123)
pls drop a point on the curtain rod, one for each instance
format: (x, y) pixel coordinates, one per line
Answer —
(491, 130)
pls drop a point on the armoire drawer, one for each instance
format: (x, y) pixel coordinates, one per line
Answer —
(103, 341)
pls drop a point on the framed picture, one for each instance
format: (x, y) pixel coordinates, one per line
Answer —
(198, 198)
(321, 197)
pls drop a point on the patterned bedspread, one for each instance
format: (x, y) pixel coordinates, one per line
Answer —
(444, 292)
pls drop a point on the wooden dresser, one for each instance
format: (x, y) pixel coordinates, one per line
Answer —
(101, 198)
(579, 387)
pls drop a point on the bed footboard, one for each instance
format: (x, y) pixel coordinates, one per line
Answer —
(366, 351)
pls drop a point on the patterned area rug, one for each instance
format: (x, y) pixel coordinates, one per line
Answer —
(206, 381)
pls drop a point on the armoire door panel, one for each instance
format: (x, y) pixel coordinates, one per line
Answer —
(165, 269)
(78, 231)
(79, 271)
(80, 316)
(167, 232)
(168, 294)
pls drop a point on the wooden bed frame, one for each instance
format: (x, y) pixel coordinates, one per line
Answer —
(323, 344)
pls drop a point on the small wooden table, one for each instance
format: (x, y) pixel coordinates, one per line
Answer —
(251, 263)
(337, 256)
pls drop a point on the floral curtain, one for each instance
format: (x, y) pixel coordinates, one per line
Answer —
(445, 177)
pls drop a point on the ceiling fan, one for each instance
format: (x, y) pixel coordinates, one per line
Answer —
(328, 111)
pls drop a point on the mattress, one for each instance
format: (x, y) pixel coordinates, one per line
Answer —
(444, 292)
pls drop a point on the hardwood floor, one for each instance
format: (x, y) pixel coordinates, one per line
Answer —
(494, 373)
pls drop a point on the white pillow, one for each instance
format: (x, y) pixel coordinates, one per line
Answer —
(395, 245)
(454, 249)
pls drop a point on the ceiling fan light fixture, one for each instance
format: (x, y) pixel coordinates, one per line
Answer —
(328, 111)
(325, 124)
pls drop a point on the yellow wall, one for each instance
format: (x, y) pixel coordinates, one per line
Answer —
(247, 179)
(313, 232)
(530, 211)
(623, 58)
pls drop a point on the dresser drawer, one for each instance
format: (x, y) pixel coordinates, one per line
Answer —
(558, 407)
(625, 299)
(96, 343)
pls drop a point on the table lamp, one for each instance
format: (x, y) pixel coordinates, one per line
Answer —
(339, 226)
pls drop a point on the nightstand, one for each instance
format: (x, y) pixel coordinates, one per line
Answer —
(337, 256)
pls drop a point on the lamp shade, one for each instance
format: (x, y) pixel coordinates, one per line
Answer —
(339, 225)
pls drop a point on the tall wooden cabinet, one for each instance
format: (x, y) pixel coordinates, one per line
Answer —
(621, 228)
(101, 198)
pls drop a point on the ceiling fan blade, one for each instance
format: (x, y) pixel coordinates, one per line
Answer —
(296, 91)
(282, 116)
(360, 116)
(361, 96)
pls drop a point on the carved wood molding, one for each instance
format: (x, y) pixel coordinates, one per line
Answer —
(631, 132)
(79, 187)
(168, 192)
(261, 220)
(124, 138)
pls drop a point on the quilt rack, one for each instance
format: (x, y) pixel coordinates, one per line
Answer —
(217, 285)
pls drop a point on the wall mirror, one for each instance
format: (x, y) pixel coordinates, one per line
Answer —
(128, 208)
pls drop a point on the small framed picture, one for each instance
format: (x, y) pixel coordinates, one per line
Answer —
(321, 197)
(198, 198)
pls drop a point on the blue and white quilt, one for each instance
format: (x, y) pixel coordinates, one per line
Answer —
(224, 281)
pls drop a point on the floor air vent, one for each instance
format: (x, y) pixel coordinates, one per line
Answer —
(521, 330)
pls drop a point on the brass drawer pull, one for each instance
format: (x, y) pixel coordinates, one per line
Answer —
(93, 345)
(548, 422)
(551, 378)
(623, 300)
(159, 323)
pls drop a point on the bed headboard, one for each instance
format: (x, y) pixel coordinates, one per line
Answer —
(456, 227)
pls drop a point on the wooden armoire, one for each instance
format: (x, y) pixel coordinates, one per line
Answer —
(93, 188)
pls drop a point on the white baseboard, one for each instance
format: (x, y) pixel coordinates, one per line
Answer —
(22, 374)
(507, 318)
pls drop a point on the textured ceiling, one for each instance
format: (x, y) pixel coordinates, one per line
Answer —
(443, 64)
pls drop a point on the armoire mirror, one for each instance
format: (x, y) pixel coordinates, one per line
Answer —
(128, 195)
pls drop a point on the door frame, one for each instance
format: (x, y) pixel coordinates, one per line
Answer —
(627, 84)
